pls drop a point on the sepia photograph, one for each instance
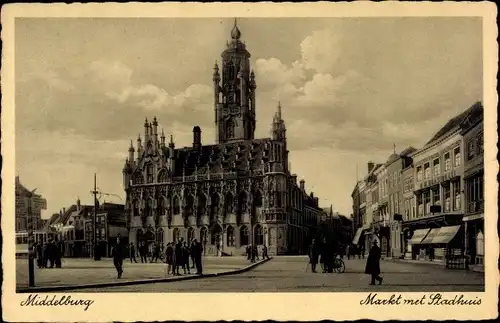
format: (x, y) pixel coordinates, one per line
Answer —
(244, 154)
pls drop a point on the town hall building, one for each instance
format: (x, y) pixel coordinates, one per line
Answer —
(236, 192)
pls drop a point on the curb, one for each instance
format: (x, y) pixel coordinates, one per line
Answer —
(138, 282)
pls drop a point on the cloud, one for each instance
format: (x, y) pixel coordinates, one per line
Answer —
(321, 50)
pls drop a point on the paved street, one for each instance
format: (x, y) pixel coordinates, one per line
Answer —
(288, 274)
(86, 271)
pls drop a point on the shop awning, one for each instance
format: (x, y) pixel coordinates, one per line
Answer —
(432, 234)
(418, 236)
(473, 217)
(357, 236)
(445, 234)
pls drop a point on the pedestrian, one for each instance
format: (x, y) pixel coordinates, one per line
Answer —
(313, 255)
(264, 252)
(117, 253)
(186, 253)
(431, 254)
(373, 264)
(178, 257)
(45, 255)
(143, 252)
(249, 254)
(169, 255)
(198, 252)
(193, 257)
(156, 252)
(132, 253)
(58, 253)
(39, 255)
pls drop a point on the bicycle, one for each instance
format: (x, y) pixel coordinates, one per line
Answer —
(338, 265)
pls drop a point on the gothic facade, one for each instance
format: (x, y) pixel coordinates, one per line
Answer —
(236, 192)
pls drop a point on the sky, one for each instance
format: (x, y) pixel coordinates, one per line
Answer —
(350, 89)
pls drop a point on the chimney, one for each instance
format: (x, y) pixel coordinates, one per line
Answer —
(302, 185)
(78, 204)
(316, 201)
(64, 210)
(196, 138)
(370, 166)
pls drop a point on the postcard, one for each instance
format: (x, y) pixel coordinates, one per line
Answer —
(249, 161)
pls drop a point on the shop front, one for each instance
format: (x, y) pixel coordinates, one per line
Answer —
(474, 238)
(414, 250)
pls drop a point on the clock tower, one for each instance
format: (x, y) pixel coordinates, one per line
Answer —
(234, 92)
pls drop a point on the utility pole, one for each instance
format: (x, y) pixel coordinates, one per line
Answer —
(94, 221)
(31, 255)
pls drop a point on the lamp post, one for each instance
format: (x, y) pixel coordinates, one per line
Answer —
(31, 265)
(94, 221)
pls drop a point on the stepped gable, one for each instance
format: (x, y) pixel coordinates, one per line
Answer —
(225, 157)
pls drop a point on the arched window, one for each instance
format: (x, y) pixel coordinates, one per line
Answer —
(189, 204)
(258, 199)
(138, 179)
(242, 202)
(176, 206)
(215, 234)
(135, 207)
(202, 203)
(259, 236)
(230, 236)
(159, 236)
(149, 173)
(149, 207)
(175, 235)
(203, 235)
(160, 209)
(162, 176)
(278, 199)
(190, 235)
(243, 235)
(229, 129)
(214, 204)
(228, 204)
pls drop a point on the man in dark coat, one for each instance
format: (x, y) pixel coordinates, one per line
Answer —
(313, 255)
(39, 255)
(118, 256)
(143, 252)
(156, 252)
(132, 253)
(193, 258)
(178, 257)
(169, 255)
(249, 254)
(264, 252)
(373, 264)
(186, 252)
(197, 251)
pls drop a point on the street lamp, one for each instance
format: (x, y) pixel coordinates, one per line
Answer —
(31, 265)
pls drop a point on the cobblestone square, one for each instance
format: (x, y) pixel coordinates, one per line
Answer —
(87, 271)
(291, 274)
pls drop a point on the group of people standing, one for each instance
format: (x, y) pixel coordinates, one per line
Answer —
(325, 253)
(143, 251)
(252, 252)
(48, 254)
(178, 254)
(322, 252)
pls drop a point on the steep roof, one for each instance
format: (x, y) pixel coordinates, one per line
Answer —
(454, 123)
